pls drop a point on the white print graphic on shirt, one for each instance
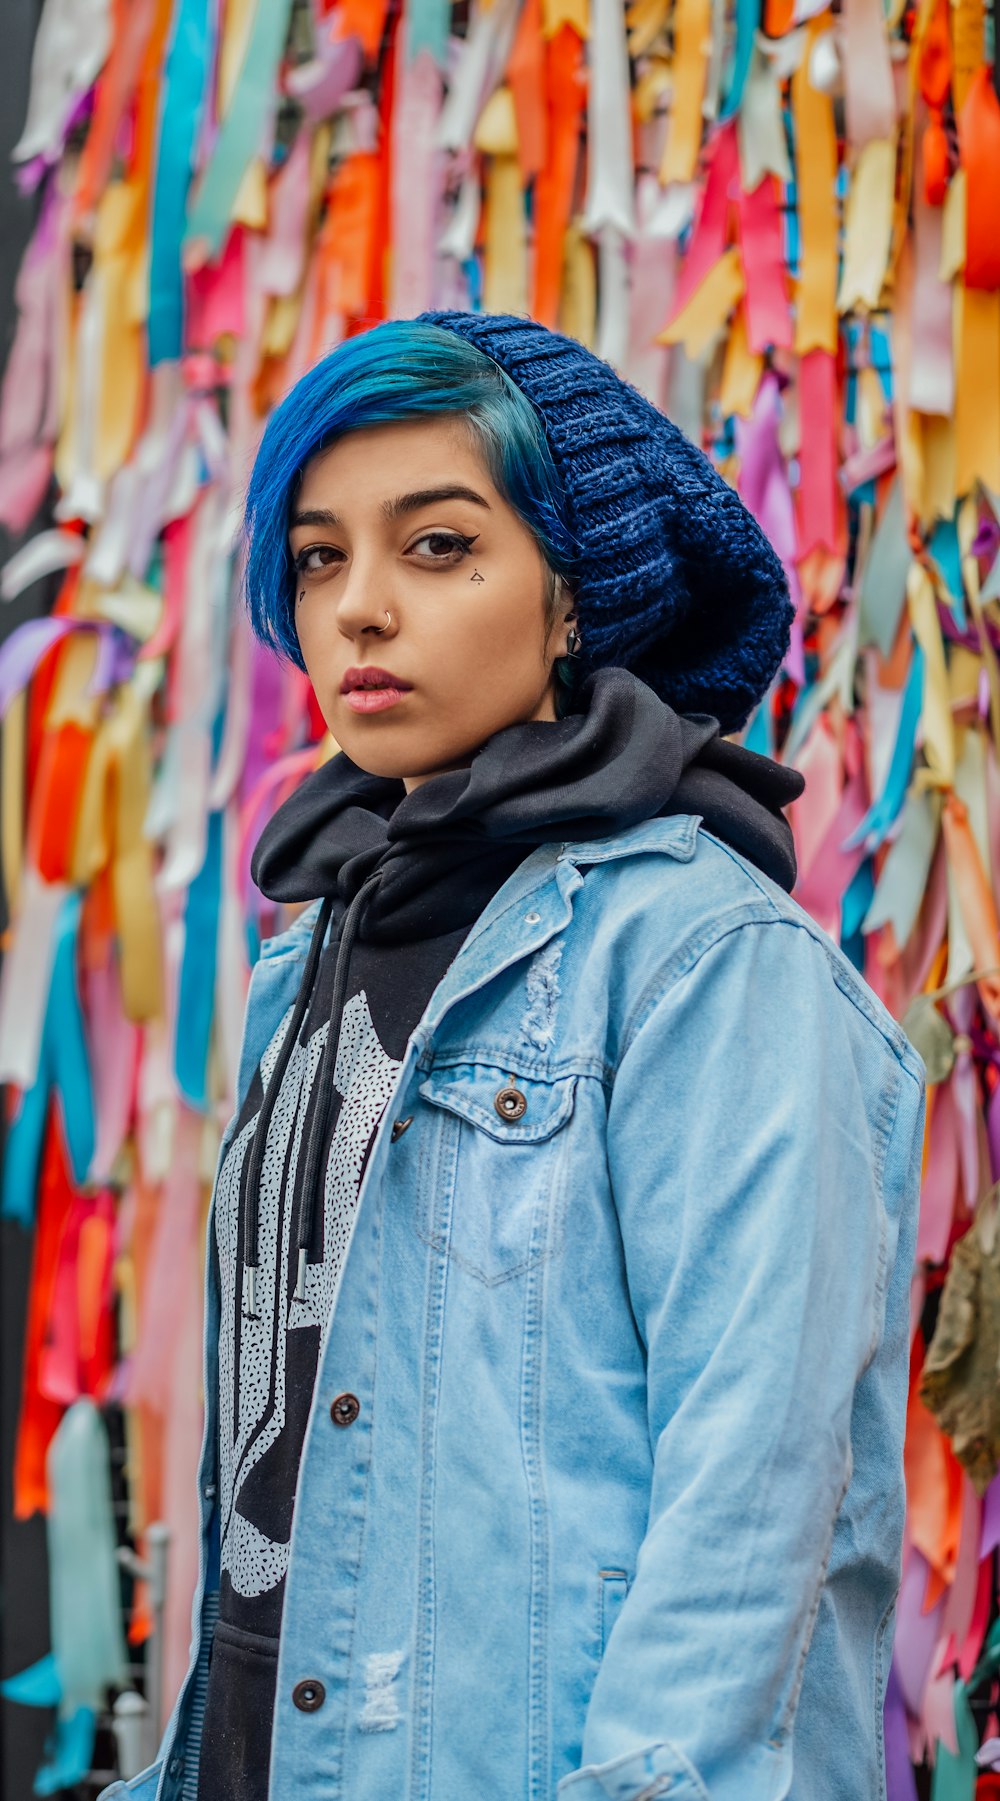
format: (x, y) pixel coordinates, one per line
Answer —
(364, 1077)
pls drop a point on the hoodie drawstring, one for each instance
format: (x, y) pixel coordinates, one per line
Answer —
(254, 1166)
(316, 1144)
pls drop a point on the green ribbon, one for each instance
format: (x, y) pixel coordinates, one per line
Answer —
(240, 135)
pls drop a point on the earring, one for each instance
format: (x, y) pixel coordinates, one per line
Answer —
(302, 595)
(573, 642)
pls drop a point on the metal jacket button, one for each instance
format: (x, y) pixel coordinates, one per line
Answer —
(399, 1127)
(308, 1695)
(344, 1410)
(510, 1102)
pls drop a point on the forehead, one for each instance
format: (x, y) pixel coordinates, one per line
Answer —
(379, 461)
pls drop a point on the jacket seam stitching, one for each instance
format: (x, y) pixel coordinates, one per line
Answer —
(686, 959)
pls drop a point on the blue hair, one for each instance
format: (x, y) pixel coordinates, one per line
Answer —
(399, 370)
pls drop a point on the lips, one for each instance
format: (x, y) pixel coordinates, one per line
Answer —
(371, 676)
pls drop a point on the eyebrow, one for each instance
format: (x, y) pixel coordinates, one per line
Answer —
(397, 508)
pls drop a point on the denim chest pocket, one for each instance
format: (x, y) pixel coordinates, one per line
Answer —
(494, 1194)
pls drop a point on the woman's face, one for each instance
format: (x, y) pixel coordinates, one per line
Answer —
(403, 519)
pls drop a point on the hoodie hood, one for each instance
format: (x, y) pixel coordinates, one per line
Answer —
(441, 851)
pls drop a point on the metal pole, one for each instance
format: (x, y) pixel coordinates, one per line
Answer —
(154, 1571)
(157, 1550)
(129, 1725)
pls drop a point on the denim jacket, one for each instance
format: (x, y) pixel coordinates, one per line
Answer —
(620, 1512)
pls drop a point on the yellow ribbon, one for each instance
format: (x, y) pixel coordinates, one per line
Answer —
(816, 177)
(977, 387)
(109, 830)
(868, 227)
(939, 737)
(505, 275)
(12, 812)
(120, 268)
(702, 318)
(692, 49)
(556, 13)
(741, 371)
(578, 299)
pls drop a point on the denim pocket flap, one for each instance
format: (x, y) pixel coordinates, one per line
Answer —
(508, 1107)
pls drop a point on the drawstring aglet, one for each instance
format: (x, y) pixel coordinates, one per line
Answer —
(249, 1291)
(300, 1278)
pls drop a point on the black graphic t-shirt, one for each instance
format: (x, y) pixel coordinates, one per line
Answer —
(267, 1365)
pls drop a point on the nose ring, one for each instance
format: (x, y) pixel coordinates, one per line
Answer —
(379, 629)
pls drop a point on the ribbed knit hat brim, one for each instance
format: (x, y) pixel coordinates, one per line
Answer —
(674, 578)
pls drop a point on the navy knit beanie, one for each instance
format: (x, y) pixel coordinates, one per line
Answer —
(674, 578)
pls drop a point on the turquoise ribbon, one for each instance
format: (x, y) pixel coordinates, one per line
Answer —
(240, 136)
(955, 1775)
(185, 78)
(63, 1069)
(196, 992)
(759, 735)
(71, 1753)
(747, 21)
(37, 1686)
(427, 29)
(858, 897)
(945, 551)
(883, 813)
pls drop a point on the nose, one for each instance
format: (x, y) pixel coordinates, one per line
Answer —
(365, 594)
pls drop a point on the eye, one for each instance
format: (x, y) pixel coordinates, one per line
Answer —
(444, 547)
(314, 558)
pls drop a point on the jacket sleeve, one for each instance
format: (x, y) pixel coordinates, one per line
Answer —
(764, 1142)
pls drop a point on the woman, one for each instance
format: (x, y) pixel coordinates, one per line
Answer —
(558, 1296)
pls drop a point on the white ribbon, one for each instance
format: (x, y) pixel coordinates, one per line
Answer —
(481, 62)
(71, 44)
(40, 556)
(610, 178)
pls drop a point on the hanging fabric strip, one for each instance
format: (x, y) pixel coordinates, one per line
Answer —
(979, 138)
(816, 180)
(868, 227)
(610, 177)
(977, 388)
(762, 253)
(526, 76)
(692, 41)
(710, 231)
(554, 183)
(931, 387)
(417, 182)
(184, 80)
(426, 28)
(760, 123)
(246, 117)
(505, 249)
(133, 22)
(747, 18)
(817, 452)
(869, 98)
(70, 47)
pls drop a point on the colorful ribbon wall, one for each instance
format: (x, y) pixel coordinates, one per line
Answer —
(777, 219)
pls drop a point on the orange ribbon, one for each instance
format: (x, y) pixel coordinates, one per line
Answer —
(979, 140)
(554, 183)
(934, 74)
(526, 79)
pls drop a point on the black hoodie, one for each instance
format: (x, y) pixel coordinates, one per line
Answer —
(402, 877)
